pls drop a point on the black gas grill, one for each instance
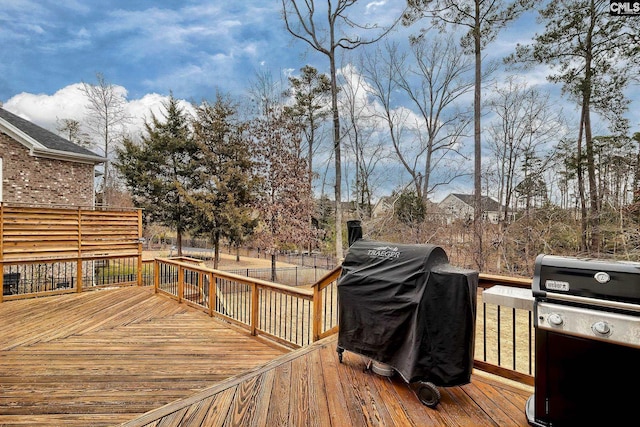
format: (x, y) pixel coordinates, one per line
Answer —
(408, 310)
(587, 329)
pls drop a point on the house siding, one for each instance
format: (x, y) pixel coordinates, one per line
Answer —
(455, 208)
(40, 181)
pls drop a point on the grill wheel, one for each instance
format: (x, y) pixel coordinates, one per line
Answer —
(427, 393)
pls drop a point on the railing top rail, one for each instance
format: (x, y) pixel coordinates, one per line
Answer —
(485, 280)
(328, 278)
(488, 280)
(305, 293)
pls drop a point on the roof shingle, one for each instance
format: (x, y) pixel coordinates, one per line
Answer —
(46, 138)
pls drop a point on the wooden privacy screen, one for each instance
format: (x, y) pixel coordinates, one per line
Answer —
(35, 233)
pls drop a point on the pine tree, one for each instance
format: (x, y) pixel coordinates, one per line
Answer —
(225, 184)
(159, 171)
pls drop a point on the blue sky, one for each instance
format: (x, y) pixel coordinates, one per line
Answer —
(188, 47)
(191, 48)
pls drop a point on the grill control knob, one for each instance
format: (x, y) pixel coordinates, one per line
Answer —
(601, 328)
(555, 319)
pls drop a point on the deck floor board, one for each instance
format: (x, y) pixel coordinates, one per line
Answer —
(104, 357)
(313, 380)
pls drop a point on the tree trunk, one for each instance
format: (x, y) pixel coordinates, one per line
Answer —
(594, 201)
(477, 174)
(337, 155)
(273, 267)
(179, 241)
(216, 250)
(583, 203)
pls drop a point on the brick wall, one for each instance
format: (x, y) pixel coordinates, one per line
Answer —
(37, 180)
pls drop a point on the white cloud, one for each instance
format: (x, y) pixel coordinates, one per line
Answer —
(43, 110)
(375, 5)
(71, 103)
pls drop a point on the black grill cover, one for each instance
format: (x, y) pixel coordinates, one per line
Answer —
(407, 307)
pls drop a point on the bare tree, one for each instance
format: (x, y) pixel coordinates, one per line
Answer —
(428, 141)
(326, 33)
(525, 121)
(72, 130)
(265, 92)
(434, 84)
(105, 118)
(361, 128)
(483, 20)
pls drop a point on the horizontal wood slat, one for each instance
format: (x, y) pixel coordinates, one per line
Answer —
(31, 233)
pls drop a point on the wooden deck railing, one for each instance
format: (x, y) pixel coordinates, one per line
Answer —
(504, 335)
(296, 317)
(292, 316)
(282, 313)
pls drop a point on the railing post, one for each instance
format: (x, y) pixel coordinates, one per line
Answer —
(317, 313)
(156, 275)
(212, 293)
(2, 251)
(254, 309)
(79, 261)
(180, 283)
(140, 247)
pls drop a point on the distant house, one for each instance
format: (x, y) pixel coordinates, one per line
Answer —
(383, 206)
(460, 207)
(39, 167)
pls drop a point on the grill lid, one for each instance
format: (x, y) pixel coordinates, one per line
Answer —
(593, 279)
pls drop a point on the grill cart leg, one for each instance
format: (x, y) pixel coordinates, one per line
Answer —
(427, 393)
(340, 350)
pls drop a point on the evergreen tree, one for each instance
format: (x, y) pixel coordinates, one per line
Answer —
(225, 185)
(310, 93)
(159, 171)
(592, 54)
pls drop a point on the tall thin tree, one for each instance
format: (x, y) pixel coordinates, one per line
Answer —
(592, 54)
(326, 32)
(106, 116)
(483, 20)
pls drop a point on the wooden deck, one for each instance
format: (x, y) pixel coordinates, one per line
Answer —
(310, 387)
(104, 357)
(129, 356)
